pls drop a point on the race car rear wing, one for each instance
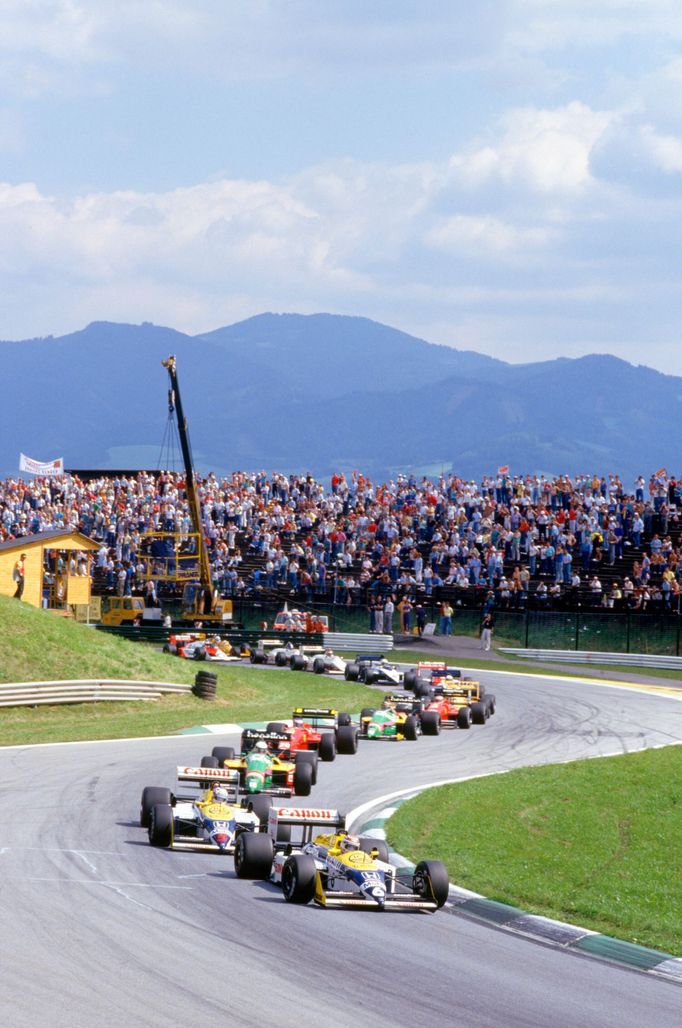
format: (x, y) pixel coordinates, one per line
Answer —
(224, 775)
(315, 713)
(309, 817)
(250, 736)
(404, 699)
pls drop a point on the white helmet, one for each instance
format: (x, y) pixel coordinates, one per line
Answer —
(220, 794)
(350, 842)
(261, 746)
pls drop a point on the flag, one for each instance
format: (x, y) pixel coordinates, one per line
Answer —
(661, 473)
(35, 467)
(503, 469)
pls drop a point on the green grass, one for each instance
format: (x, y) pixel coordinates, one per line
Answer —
(38, 646)
(594, 843)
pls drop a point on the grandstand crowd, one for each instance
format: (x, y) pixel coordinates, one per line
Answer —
(506, 541)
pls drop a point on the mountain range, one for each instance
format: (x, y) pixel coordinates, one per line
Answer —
(326, 392)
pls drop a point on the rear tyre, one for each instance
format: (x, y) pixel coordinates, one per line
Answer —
(346, 739)
(303, 779)
(327, 748)
(299, 876)
(281, 659)
(411, 678)
(253, 855)
(410, 728)
(222, 753)
(367, 712)
(298, 662)
(367, 845)
(260, 805)
(464, 717)
(490, 700)
(421, 689)
(209, 761)
(430, 722)
(430, 881)
(351, 672)
(275, 726)
(343, 719)
(161, 825)
(371, 677)
(199, 653)
(151, 795)
(479, 713)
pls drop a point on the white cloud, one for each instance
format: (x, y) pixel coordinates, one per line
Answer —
(486, 236)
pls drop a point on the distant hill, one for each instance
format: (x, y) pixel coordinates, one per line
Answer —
(323, 392)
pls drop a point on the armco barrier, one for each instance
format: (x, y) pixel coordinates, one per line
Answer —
(35, 694)
(597, 657)
(360, 641)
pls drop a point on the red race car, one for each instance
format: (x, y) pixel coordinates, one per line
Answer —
(320, 731)
(460, 703)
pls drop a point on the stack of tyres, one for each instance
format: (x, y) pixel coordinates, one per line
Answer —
(205, 683)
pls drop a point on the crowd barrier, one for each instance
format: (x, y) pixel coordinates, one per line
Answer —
(596, 657)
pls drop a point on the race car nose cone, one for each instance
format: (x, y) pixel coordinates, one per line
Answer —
(221, 839)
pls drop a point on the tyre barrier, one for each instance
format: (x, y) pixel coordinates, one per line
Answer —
(205, 685)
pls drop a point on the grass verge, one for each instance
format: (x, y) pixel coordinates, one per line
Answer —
(38, 646)
(593, 842)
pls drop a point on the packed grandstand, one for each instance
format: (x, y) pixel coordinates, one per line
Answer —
(512, 542)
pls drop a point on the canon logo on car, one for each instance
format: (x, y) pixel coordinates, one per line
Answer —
(307, 814)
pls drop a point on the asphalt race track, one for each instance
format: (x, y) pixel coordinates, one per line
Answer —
(100, 929)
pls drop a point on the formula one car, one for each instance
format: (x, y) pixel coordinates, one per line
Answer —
(333, 868)
(458, 702)
(210, 820)
(372, 668)
(398, 718)
(305, 733)
(199, 646)
(271, 651)
(261, 769)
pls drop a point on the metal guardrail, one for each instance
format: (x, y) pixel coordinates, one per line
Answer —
(35, 694)
(597, 657)
(360, 641)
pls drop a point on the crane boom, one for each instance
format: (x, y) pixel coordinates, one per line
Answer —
(193, 500)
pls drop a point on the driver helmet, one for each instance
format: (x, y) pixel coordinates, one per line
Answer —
(261, 746)
(220, 794)
(350, 842)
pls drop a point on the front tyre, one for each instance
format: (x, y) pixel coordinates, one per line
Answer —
(303, 779)
(299, 876)
(430, 881)
(151, 795)
(410, 729)
(161, 825)
(327, 748)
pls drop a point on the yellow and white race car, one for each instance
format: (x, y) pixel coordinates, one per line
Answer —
(321, 861)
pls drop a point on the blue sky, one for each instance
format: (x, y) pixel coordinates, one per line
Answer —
(503, 175)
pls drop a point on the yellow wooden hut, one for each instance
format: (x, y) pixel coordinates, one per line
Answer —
(57, 568)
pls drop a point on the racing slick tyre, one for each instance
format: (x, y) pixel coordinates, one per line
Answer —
(411, 678)
(260, 805)
(253, 855)
(209, 761)
(199, 653)
(281, 659)
(222, 753)
(366, 712)
(347, 739)
(411, 728)
(275, 726)
(309, 757)
(479, 713)
(430, 881)
(367, 845)
(166, 648)
(370, 676)
(299, 876)
(151, 795)
(318, 666)
(257, 658)
(161, 825)
(327, 747)
(490, 700)
(303, 779)
(430, 722)
(298, 662)
(343, 719)
(422, 689)
(464, 717)
(351, 672)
